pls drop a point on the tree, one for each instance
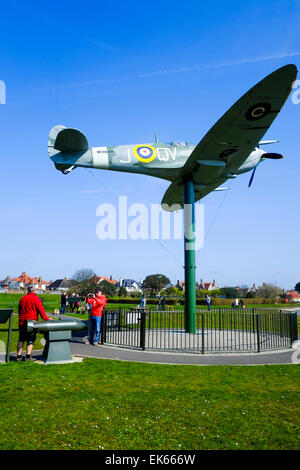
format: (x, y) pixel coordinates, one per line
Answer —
(122, 291)
(84, 288)
(155, 283)
(268, 291)
(297, 287)
(251, 294)
(230, 292)
(107, 288)
(172, 292)
(83, 275)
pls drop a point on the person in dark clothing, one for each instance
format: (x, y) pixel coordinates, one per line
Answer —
(72, 301)
(63, 303)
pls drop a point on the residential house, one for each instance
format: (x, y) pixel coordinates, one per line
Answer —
(292, 296)
(199, 286)
(253, 288)
(180, 285)
(208, 285)
(5, 284)
(23, 281)
(98, 279)
(62, 284)
(130, 285)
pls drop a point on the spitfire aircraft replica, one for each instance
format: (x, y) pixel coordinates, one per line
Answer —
(231, 147)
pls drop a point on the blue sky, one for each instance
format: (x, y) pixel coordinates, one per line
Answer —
(117, 71)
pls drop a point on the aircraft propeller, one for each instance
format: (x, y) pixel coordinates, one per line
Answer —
(252, 176)
(270, 156)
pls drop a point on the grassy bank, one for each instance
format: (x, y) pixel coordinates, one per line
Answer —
(102, 404)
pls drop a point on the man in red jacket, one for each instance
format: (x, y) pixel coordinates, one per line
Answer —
(30, 306)
(98, 303)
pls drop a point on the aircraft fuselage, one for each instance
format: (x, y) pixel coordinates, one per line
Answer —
(155, 159)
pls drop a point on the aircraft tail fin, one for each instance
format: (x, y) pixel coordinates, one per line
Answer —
(66, 140)
(62, 143)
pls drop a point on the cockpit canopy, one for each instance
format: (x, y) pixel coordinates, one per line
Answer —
(178, 143)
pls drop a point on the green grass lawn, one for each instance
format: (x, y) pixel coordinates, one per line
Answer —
(52, 301)
(112, 405)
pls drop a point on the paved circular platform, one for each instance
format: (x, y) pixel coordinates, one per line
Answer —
(211, 340)
(78, 348)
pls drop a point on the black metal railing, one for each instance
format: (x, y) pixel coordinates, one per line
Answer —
(217, 330)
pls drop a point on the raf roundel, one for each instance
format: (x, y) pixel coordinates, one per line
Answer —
(144, 153)
(258, 111)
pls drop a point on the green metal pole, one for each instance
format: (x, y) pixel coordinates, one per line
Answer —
(189, 257)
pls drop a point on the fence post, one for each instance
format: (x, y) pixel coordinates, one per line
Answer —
(293, 327)
(89, 323)
(119, 319)
(143, 330)
(202, 329)
(253, 319)
(257, 332)
(103, 329)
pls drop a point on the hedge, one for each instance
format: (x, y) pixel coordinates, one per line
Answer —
(199, 301)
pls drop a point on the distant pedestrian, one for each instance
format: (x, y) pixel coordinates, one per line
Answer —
(233, 304)
(67, 302)
(236, 302)
(208, 301)
(77, 303)
(29, 308)
(242, 304)
(72, 301)
(143, 301)
(163, 303)
(98, 303)
(63, 303)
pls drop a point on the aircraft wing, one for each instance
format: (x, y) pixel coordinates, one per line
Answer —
(234, 136)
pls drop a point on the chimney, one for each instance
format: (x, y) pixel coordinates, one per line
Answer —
(110, 277)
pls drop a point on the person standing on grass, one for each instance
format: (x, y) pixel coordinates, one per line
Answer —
(208, 301)
(29, 308)
(77, 303)
(143, 301)
(63, 303)
(98, 303)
